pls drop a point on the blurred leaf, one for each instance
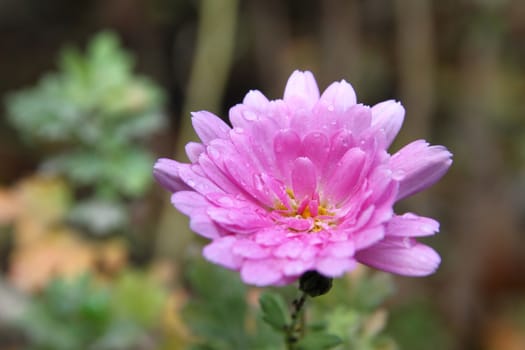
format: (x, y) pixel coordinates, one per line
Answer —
(68, 315)
(138, 297)
(98, 216)
(9, 206)
(43, 200)
(274, 311)
(90, 115)
(217, 310)
(416, 326)
(57, 253)
(318, 341)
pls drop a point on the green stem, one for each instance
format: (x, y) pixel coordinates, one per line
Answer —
(296, 329)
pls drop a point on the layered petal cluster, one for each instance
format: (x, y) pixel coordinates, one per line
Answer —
(305, 183)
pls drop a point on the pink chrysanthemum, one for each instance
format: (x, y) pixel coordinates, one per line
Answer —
(306, 183)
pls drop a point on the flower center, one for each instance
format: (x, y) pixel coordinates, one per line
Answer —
(307, 214)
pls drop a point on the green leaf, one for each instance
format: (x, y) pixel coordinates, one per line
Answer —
(274, 311)
(317, 341)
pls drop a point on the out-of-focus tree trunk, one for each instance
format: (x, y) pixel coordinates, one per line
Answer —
(340, 41)
(486, 243)
(271, 34)
(415, 52)
(210, 70)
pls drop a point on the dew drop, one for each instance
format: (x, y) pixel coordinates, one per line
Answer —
(330, 108)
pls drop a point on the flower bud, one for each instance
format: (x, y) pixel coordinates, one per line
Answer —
(314, 284)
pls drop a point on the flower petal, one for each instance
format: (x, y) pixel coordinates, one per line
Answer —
(219, 251)
(359, 118)
(240, 219)
(304, 179)
(388, 116)
(194, 150)
(255, 99)
(197, 181)
(260, 273)
(287, 146)
(315, 146)
(194, 205)
(301, 90)
(209, 127)
(346, 176)
(290, 249)
(247, 248)
(334, 267)
(411, 225)
(418, 166)
(166, 172)
(339, 96)
(402, 256)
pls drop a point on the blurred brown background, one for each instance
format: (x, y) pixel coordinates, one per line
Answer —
(458, 67)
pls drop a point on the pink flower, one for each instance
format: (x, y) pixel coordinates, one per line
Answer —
(306, 183)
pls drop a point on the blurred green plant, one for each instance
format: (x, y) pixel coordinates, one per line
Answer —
(222, 313)
(88, 116)
(352, 311)
(218, 313)
(80, 314)
(417, 325)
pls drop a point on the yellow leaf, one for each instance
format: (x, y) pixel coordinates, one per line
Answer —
(57, 254)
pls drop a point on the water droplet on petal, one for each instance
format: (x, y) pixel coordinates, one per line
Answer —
(330, 108)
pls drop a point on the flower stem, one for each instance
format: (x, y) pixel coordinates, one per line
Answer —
(296, 329)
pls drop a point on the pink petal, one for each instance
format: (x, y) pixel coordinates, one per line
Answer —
(241, 220)
(255, 99)
(219, 251)
(418, 166)
(194, 205)
(166, 172)
(296, 268)
(286, 146)
(316, 147)
(340, 143)
(368, 237)
(301, 90)
(343, 249)
(260, 272)
(402, 256)
(271, 236)
(209, 127)
(290, 249)
(218, 177)
(359, 118)
(247, 248)
(411, 225)
(339, 96)
(346, 177)
(194, 150)
(334, 267)
(197, 181)
(256, 146)
(304, 178)
(388, 116)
